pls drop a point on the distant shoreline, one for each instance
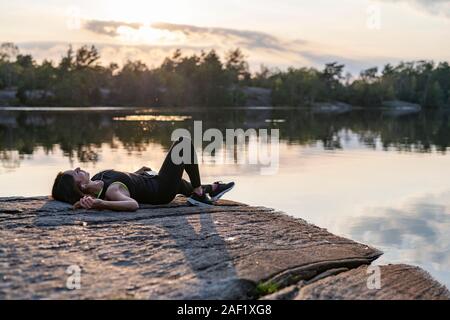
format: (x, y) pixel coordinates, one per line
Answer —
(318, 108)
(210, 81)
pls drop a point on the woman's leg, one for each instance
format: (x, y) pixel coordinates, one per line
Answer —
(171, 173)
(186, 188)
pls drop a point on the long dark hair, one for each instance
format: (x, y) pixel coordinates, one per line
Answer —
(65, 189)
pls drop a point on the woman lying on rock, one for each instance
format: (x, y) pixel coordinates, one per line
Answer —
(123, 191)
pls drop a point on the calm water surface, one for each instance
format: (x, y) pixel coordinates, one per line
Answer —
(377, 178)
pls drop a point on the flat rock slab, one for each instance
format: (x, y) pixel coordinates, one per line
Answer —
(229, 251)
(397, 282)
(174, 251)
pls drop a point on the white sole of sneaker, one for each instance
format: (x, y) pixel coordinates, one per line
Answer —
(217, 197)
(198, 203)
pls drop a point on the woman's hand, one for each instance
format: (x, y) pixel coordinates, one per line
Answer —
(143, 169)
(88, 202)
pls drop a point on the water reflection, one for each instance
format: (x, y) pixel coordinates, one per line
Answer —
(415, 233)
(78, 133)
(152, 117)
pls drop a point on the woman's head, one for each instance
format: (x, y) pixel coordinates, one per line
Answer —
(71, 185)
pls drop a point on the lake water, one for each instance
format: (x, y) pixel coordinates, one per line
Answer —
(368, 175)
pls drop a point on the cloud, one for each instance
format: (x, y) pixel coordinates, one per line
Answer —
(245, 38)
(435, 7)
(108, 28)
(260, 47)
(416, 232)
(195, 34)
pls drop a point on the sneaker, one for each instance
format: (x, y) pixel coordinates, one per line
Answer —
(220, 190)
(201, 201)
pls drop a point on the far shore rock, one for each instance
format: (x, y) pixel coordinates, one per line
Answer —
(331, 107)
(256, 96)
(400, 108)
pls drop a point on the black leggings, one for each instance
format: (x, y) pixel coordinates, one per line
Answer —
(170, 181)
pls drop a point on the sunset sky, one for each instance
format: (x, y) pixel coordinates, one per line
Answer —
(281, 33)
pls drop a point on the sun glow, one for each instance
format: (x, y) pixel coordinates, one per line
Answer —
(146, 12)
(148, 35)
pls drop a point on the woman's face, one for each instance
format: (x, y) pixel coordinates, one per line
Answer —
(79, 175)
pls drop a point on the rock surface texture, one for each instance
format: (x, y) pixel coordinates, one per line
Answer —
(175, 251)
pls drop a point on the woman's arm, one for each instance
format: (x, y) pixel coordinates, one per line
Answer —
(118, 200)
(119, 205)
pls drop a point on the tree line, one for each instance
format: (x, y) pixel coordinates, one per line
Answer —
(205, 79)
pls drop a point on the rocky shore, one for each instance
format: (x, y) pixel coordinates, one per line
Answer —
(175, 251)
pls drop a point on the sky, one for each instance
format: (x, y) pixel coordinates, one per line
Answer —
(276, 33)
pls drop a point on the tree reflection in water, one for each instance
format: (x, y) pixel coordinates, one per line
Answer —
(81, 134)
